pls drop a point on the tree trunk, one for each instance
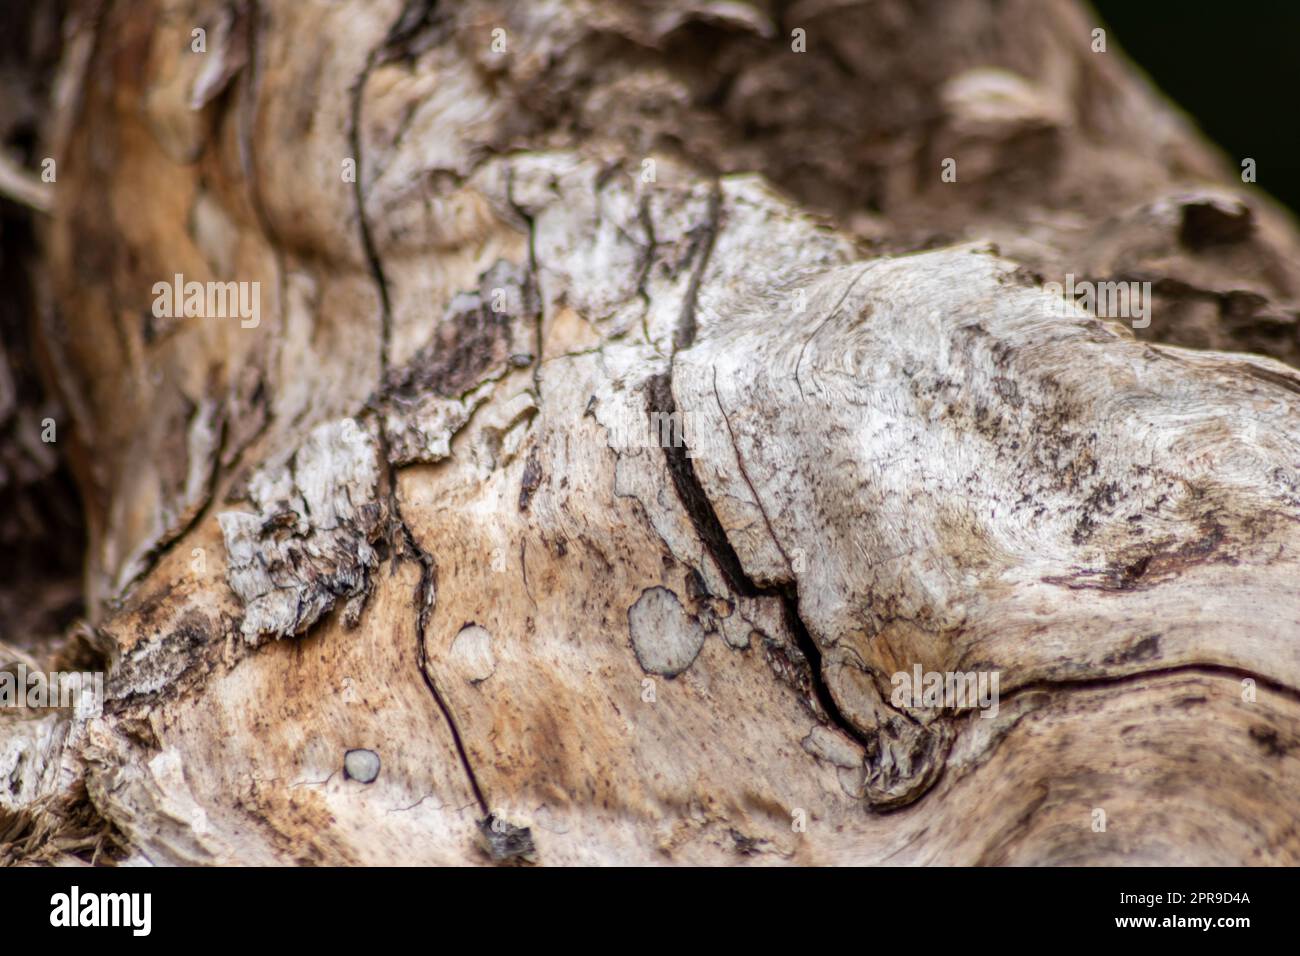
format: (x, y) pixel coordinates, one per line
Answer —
(629, 404)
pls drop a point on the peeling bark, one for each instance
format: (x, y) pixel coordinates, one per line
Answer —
(644, 407)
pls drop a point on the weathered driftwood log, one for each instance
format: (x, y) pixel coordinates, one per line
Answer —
(599, 455)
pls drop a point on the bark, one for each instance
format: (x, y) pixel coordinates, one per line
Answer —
(431, 506)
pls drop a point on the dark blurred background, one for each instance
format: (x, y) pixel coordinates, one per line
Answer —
(1234, 67)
